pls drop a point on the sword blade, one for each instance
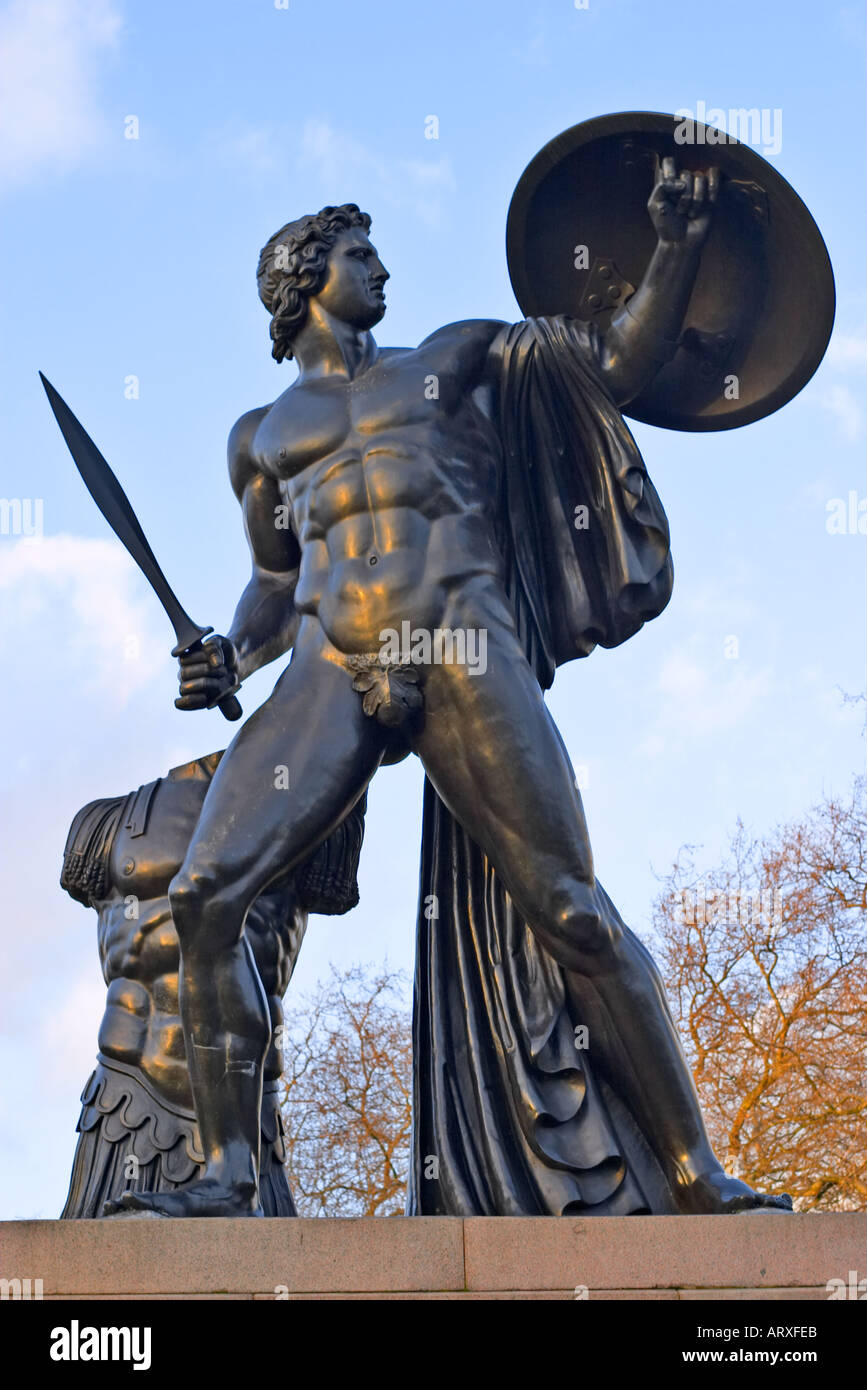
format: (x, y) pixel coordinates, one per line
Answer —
(112, 501)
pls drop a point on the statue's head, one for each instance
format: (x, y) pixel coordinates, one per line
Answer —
(326, 257)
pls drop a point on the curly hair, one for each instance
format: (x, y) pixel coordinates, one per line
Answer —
(292, 267)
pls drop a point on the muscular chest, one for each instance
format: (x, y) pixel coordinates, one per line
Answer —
(412, 393)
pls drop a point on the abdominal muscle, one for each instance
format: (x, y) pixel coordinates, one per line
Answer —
(367, 565)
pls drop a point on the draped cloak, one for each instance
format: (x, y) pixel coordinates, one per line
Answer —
(510, 1115)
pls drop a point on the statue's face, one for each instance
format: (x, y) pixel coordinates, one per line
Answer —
(353, 289)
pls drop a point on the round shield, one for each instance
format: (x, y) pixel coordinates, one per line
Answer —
(579, 239)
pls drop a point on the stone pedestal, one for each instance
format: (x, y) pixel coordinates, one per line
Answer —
(655, 1257)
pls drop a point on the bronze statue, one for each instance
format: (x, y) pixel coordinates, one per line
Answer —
(433, 530)
(138, 1127)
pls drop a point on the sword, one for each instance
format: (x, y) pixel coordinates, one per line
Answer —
(112, 501)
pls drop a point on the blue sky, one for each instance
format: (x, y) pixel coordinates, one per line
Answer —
(137, 258)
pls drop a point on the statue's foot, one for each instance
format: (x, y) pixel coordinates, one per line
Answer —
(204, 1198)
(717, 1194)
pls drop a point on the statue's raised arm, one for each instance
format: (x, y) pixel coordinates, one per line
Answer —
(645, 332)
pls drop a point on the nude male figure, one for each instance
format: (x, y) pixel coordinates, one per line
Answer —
(391, 491)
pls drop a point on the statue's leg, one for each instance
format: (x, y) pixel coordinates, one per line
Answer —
(295, 769)
(494, 755)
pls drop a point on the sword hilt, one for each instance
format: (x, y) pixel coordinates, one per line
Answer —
(229, 707)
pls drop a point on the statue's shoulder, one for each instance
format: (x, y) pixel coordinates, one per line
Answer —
(239, 450)
(243, 431)
(463, 348)
(491, 343)
(466, 332)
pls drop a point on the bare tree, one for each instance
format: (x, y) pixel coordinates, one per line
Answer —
(765, 961)
(347, 1103)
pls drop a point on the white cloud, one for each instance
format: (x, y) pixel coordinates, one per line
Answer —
(68, 1036)
(701, 698)
(421, 185)
(257, 150)
(49, 108)
(848, 350)
(535, 52)
(346, 169)
(843, 405)
(88, 597)
(426, 184)
(726, 604)
(335, 154)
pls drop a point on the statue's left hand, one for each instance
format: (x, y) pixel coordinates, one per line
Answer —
(681, 204)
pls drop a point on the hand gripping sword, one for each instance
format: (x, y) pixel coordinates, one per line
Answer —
(112, 501)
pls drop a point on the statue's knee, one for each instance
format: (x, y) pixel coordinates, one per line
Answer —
(579, 923)
(191, 892)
